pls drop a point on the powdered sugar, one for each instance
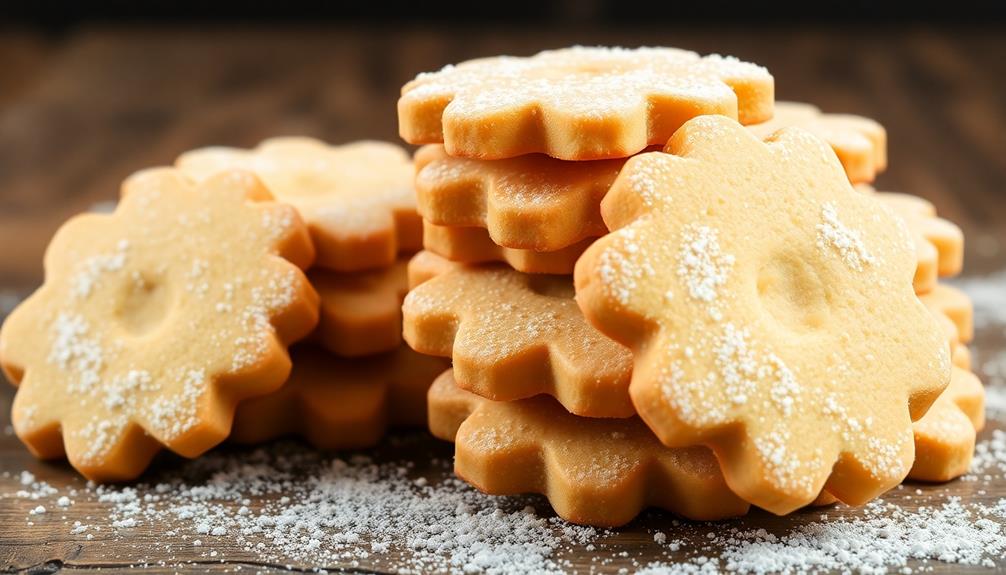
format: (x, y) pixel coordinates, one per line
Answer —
(833, 235)
(702, 266)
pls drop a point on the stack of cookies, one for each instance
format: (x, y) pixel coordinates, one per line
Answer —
(660, 287)
(166, 323)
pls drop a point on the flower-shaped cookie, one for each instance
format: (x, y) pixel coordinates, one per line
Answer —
(945, 436)
(770, 310)
(531, 202)
(361, 312)
(956, 306)
(577, 103)
(514, 335)
(934, 235)
(357, 199)
(860, 143)
(425, 266)
(341, 403)
(473, 246)
(594, 471)
(156, 320)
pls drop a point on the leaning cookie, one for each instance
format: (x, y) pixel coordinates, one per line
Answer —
(337, 403)
(356, 198)
(743, 275)
(594, 471)
(156, 320)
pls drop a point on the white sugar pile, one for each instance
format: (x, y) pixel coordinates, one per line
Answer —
(886, 536)
(287, 504)
(335, 512)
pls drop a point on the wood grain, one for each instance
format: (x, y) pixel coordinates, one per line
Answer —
(80, 112)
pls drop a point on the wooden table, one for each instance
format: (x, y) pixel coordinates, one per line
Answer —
(80, 111)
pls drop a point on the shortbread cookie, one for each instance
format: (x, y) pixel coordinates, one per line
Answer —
(473, 246)
(361, 312)
(341, 403)
(945, 237)
(530, 202)
(425, 266)
(577, 103)
(744, 275)
(956, 306)
(860, 143)
(357, 198)
(514, 335)
(594, 471)
(945, 436)
(156, 320)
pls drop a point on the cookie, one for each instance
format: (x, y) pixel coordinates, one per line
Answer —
(474, 246)
(945, 436)
(956, 306)
(860, 143)
(945, 238)
(599, 472)
(529, 202)
(156, 320)
(425, 266)
(337, 403)
(744, 275)
(513, 335)
(577, 103)
(361, 312)
(357, 199)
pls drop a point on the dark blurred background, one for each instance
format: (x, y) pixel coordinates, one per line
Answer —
(90, 92)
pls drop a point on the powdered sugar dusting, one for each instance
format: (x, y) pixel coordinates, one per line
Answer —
(702, 266)
(833, 235)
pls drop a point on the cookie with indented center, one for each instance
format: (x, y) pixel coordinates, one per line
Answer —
(474, 246)
(337, 403)
(361, 312)
(594, 471)
(514, 335)
(744, 277)
(357, 199)
(577, 103)
(860, 143)
(945, 436)
(156, 320)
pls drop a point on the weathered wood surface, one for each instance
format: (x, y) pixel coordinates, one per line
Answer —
(80, 112)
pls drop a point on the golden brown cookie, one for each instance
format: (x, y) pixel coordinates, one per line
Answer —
(425, 266)
(594, 471)
(530, 202)
(474, 246)
(356, 198)
(945, 436)
(940, 242)
(860, 143)
(361, 312)
(339, 403)
(156, 320)
(744, 277)
(956, 306)
(514, 335)
(577, 103)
